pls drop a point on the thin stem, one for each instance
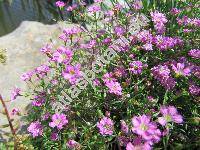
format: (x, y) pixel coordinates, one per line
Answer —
(9, 120)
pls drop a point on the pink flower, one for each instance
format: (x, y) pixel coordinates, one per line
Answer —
(94, 8)
(137, 4)
(54, 136)
(138, 146)
(120, 72)
(35, 129)
(132, 56)
(124, 127)
(47, 48)
(39, 102)
(109, 13)
(139, 143)
(136, 67)
(114, 87)
(143, 126)
(169, 83)
(194, 89)
(165, 131)
(71, 144)
(119, 30)
(26, 76)
(162, 73)
(107, 114)
(105, 126)
(194, 53)
(187, 30)
(71, 31)
(58, 120)
(151, 99)
(196, 71)
(15, 111)
(63, 37)
(46, 116)
(108, 77)
(186, 21)
(89, 45)
(123, 140)
(54, 81)
(71, 8)
(118, 7)
(179, 69)
(98, 1)
(96, 82)
(165, 43)
(42, 70)
(72, 73)
(60, 4)
(159, 20)
(147, 47)
(62, 55)
(16, 92)
(170, 114)
(129, 146)
(195, 22)
(144, 36)
(175, 11)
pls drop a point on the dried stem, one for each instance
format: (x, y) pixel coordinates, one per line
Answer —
(9, 120)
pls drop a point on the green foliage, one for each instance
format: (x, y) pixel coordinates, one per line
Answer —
(2, 56)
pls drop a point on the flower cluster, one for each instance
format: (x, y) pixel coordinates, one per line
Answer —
(60, 4)
(186, 21)
(112, 84)
(144, 85)
(165, 43)
(175, 11)
(62, 55)
(94, 8)
(137, 4)
(162, 74)
(147, 132)
(15, 93)
(58, 120)
(105, 126)
(39, 99)
(72, 73)
(35, 129)
(136, 67)
(194, 53)
(159, 20)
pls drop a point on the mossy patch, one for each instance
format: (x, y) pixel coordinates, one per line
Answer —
(2, 56)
